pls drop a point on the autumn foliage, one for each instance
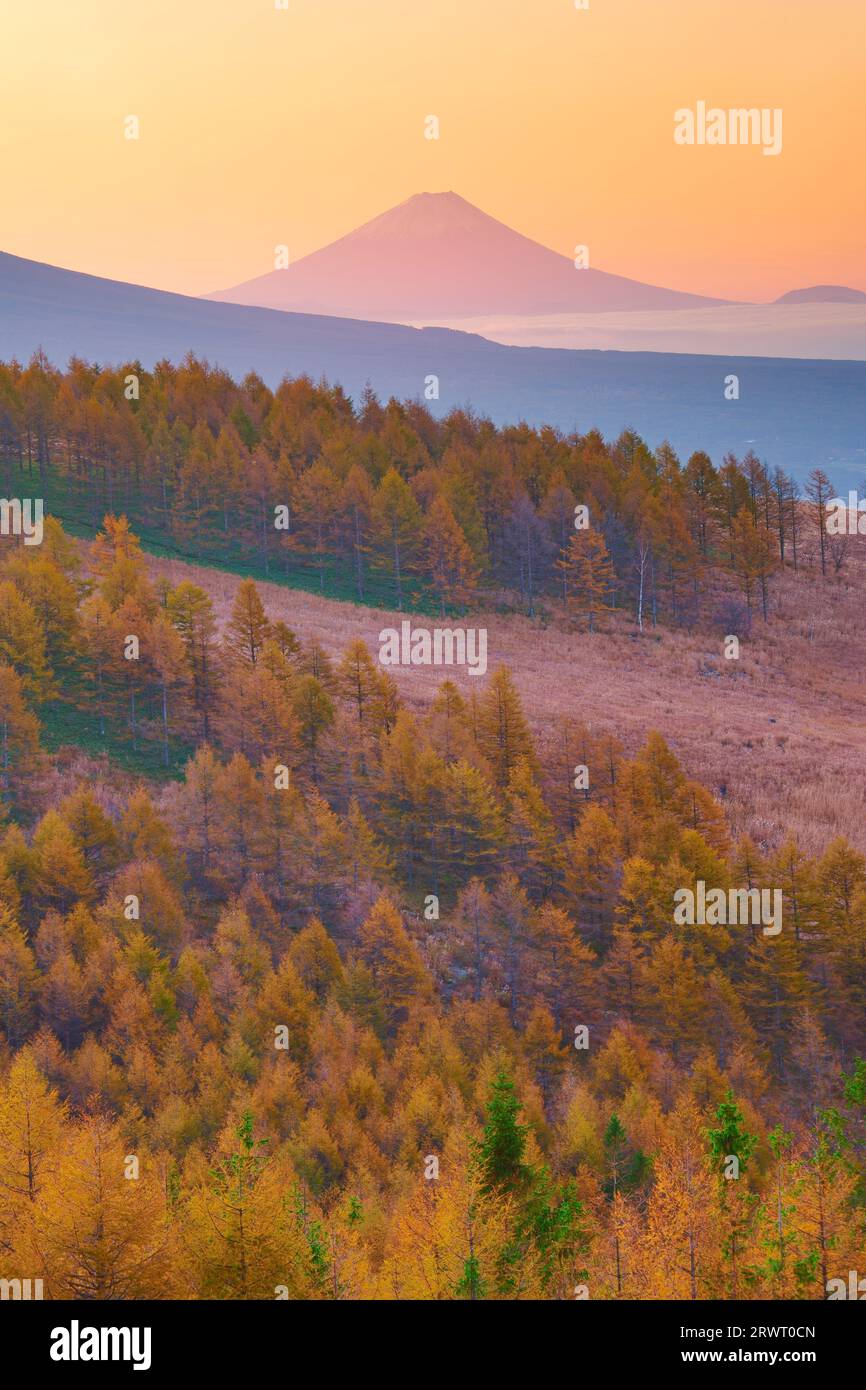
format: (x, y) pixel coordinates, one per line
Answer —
(373, 1003)
(387, 503)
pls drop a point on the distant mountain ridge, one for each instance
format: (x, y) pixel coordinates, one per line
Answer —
(438, 256)
(823, 294)
(791, 412)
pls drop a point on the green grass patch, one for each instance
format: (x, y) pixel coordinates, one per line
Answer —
(64, 498)
(63, 723)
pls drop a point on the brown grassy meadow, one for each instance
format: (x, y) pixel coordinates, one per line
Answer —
(779, 735)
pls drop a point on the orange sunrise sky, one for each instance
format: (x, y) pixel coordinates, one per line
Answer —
(262, 126)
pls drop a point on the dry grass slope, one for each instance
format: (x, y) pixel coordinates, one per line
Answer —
(780, 734)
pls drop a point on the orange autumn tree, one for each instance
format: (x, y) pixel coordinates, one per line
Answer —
(447, 560)
(587, 575)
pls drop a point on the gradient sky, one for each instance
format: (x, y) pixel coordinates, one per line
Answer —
(261, 126)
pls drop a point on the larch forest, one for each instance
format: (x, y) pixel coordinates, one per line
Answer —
(309, 991)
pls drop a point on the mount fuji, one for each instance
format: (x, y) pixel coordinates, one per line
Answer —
(436, 256)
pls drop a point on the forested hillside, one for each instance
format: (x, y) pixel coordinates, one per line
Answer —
(312, 995)
(390, 505)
